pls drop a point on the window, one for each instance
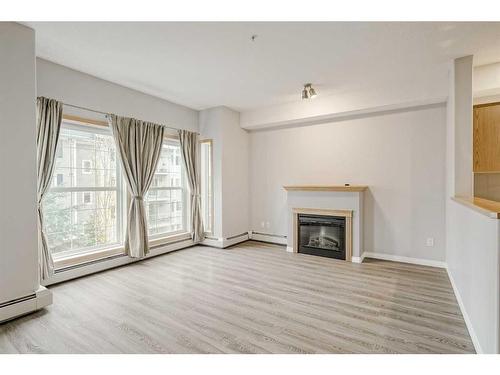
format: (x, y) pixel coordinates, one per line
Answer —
(87, 197)
(83, 209)
(166, 199)
(207, 185)
(87, 166)
(59, 181)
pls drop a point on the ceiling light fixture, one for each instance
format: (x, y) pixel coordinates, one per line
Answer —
(308, 92)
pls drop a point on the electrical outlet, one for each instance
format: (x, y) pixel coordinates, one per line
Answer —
(268, 225)
(262, 224)
(430, 242)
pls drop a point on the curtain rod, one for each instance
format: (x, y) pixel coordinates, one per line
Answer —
(107, 114)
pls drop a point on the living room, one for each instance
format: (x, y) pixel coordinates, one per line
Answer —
(250, 187)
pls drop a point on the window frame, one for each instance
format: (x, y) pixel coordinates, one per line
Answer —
(92, 253)
(211, 200)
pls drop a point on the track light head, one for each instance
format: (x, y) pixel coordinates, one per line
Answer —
(312, 93)
(305, 94)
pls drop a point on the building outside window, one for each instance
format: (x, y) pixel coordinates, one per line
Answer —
(83, 210)
(166, 206)
(87, 197)
(87, 166)
(59, 180)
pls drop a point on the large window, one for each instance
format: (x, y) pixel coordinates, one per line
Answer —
(85, 206)
(165, 202)
(83, 209)
(206, 185)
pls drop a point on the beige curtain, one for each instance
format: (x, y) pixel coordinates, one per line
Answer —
(190, 147)
(139, 146)
(48, 123)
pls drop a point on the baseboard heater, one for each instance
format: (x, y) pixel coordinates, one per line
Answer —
(24, 305)
(238, 235)
(277, 239)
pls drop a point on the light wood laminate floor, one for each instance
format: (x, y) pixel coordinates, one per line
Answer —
(251, 298)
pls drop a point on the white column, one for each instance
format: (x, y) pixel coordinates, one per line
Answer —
(18, 231)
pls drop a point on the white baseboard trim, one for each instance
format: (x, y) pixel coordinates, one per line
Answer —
(212, 242)
(402, 259)
(358, 259)
(22, 306)
(468, 322)
(267, 237)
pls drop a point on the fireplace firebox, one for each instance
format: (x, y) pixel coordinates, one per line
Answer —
(322, 235)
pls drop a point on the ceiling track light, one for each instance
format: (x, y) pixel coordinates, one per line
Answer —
(308, 92)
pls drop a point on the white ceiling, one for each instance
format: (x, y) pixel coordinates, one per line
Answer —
(203, 65)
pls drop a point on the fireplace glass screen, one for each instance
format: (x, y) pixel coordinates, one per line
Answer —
(322, 235)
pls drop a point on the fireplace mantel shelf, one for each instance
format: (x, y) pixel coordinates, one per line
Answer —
(353, 188)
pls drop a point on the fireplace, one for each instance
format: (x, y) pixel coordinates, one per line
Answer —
(322, 235)
(341, 202)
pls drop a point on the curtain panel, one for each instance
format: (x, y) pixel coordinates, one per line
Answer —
(48, 123)
(190, 147)
(139, 146)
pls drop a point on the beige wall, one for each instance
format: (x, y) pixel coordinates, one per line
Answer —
(487, 186)
(486, 83)
(400, 156)
(463, 126)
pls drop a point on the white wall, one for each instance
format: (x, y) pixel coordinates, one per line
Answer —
(18, 227)
(400, 156)
(472, 239)
(235, 183)
(344, 103)
(230, 156)
(473, 265)
(73, 87)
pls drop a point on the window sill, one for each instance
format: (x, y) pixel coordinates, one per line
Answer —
(79, 259)
(169, 239)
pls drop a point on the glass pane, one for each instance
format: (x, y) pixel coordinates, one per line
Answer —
(80, 221)
(165, 199)
(206, 185)
(85, 159)
(84, 220)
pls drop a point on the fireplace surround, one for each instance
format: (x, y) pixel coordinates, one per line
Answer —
(344, 201)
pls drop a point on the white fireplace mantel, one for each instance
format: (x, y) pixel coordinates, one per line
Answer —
(334, 198)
